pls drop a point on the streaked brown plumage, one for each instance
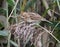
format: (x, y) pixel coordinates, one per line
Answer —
(30, 16)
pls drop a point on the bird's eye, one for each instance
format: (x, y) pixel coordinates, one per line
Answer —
(23, 15)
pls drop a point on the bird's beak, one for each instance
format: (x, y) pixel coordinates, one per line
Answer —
(46, 21)
(49, 22)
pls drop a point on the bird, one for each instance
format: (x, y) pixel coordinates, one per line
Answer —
(30, 17)
(33, 17)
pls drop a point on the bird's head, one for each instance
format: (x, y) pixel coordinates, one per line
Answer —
(28, 17)
(32, 17)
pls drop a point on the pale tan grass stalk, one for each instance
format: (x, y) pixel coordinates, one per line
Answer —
(55, 26)
(13, 9)
(50, 34)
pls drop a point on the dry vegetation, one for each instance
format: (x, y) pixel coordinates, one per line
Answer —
(29, 23)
